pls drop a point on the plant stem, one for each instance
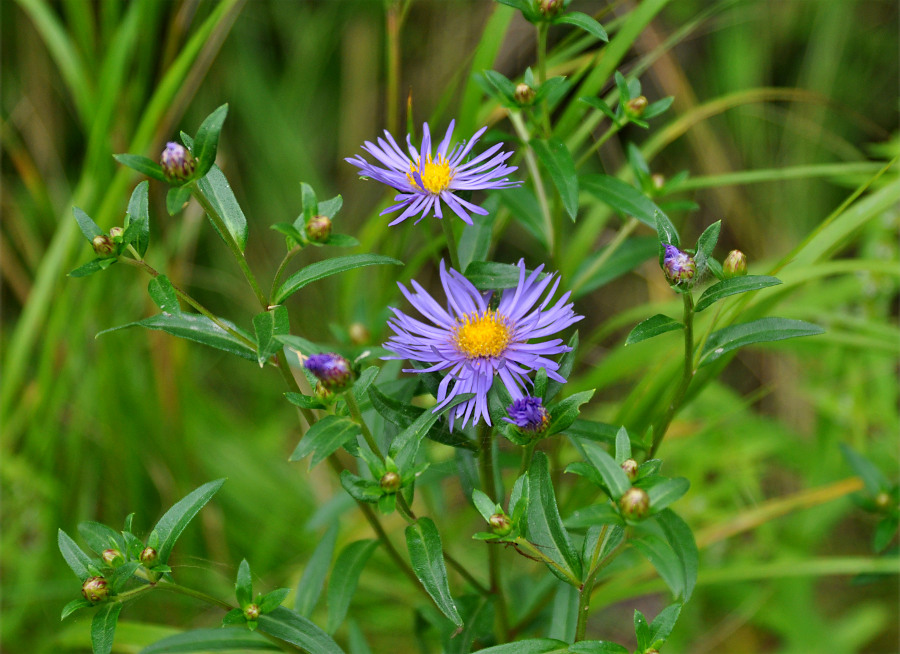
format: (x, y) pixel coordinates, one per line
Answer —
(659, 430)
(196, 594)
(451, 243)
(597, 144)
(531, 162)
(600, 261)
(527, 454)
(285, 369)
(537, 555)
(584, 593)
(282, 266)
(485, 434)
(356, 414)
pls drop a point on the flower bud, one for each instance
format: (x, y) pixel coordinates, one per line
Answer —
(630, 466)
(359, 335)
(149, 557)
(500, 524)
(524, 94)
(883, 501)
(112, 558)
(116, 234)
(635, 503)
(735, 264)
(332, 370)
(636, 106)
(251, 612)
(658, 181)
(177, 162)
(318, 229)
(103, 245)
(390, 482)
(95, 589)
(528, 415)
(678, 266)
(550, 8)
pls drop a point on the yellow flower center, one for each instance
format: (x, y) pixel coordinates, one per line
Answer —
(485, 335)
(436, 175)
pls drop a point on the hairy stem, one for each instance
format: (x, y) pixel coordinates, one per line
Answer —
(490, 488)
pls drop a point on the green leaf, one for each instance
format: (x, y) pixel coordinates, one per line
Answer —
(524, 207)
(324, 438)
(344, 578)
(163, 294)
(502, 84)
(654, 109)
(211, 640)
(73, 606)
(99, 537)
(598, 103)
(294, 237)
(196, 328)
(143, 165)
(475, 241)
(884, 533)
(243, 585)
(597, 647)
(427, 557)
(88, 227)
(641, 631)
(103, 627)
(485, 505)
(565, 413)
(297, 630)
(404, 447)
(596, 514)
(364, 490)
(585, 22)
(598, 270)
(491, 276)
(331, 207)
(310, 587)
(733, 286)
(322, 269)
(177, 518)
(273, 599)
(544, 527)
(309, 201)
(707, 242)
(176, 198)
(304, 401)
(268, 325)
(871, 476)
(74, 555)
(531, 646)
(623, 446)
(622, 197)
(557, 160)
(217, 190)
(613, 476)
(663, 624)
(657, 551)
(763, 330)
(206, 142)
(666, 492)
(666, 232)
(138, 218)
(341, 241)
(122, 574)
(96, 265)
(681, 538)
(653, 326)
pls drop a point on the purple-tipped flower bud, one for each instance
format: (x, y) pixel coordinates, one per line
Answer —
(103, 245)
(524, 94)
(95, 589)
(149, 557)
(550, 8)
(500, 524)
(390, 482)
(359, 335)
(251, 612)
(116, 234)
(177, 162)
(735, 264)
(679, 267)
(635, 503)
(630, 466)
(636, 106)
(332, 370)
(528, 415)
(112, 558)
(318, 229)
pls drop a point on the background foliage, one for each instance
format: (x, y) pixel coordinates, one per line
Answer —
(95, 429)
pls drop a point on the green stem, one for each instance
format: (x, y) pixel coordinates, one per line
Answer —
(600, 261)
(230, 242)
(531, 162)
(542, 29)
(285, 369)
(597, 144)
(196, 594)
(283, 266)
(356, 414)
(527, 454)
(490, 488)
(584, 593)
(451, 242)
(536, 554)
(659, 430)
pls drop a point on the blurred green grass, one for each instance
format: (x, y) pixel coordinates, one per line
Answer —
(95, 429)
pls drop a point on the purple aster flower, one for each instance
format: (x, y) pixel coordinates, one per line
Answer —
(528, 414)
(475, 343)
(427, 181)
(678, 266)
(332, 370)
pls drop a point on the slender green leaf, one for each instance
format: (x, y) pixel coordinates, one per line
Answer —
(364, 490)
(310, 203)
(656, 108)
(163, 294)
(99, 537)
(73, 606)
(74, 555)
(598, 103)
(217, 190)
(666, 232)
(103, 627)
(475, 241)
(404, 415)
(344, 578)
(734, 286)
(524, 207)
(485, 505)
(663, 624)
(622, 197)
(340, 241)
(427, 557)
(614, 477)
(597, 647)
(267, 325)
(139, 216)
(206, 142)
(657, 551)
(884, 533)
(273, 599)
(564, 414)
(243, 585)
(596, 514)
(322, 269)
(557, 160)
(544, 526)
(143, 165)
(585, 22)
(641, 630)
(531, 646)
(653, 326)
(311, 583)
(623, 446)
(872, 477)
(566, 362)
(88, 227)
(177, 518)
(304, 401)
(404, 447)
(176, 198)
(707, 242)
(663, 494)
(324, 437)
(297, 630)
(95, 265)
(491, 276)
(763, 330)
(681, 539)
(211, 640)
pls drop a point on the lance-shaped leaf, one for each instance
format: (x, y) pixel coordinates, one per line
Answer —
(705, 245)
(268, 325)
(622, 197)
(217, 190)
(73, 606)
(176, 198)
(585, 22)
(652, 326)
(206, 143)
(74, 555)
(492, 276)
(344, 578)
(95, 265)
(565, 413)
(597, 647)
(763, 330)
(532, 645)
(663, 624)
(143, 165)
(175, 520)
(557, 160)
(623, 446)
(311, 583)
(324, 438)
(872, 477)
(211, 640)
(734, 286)
(290, 627)
(137, 220)
(322, 269)
(681, 539)
(88, 227)
(103, 627)
(427, 557)
(99, 537)
(660, 554)
(544, 526)
(163, 294)
(243, 585)
(614, 477)
(404, 447)
(666, 232)
(666, 492)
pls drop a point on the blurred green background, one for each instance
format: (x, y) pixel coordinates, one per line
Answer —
(96, 429)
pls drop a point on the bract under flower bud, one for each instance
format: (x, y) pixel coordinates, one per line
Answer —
(500, 524)
(318, 229)
(524, 94)
(149, 557)
(390, 482)
(735, 264)
(528, 415)
(112, 558)
(630, 466)
(103, 245)
(551, 8)
(332, 370)
(251, 612)
(116, 234)
(635, 503)
(177, 162)
(636, 106)
(679, 267)
(95, 589)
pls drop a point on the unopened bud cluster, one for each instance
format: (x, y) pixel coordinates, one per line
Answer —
(636, 106)
(679, 267)
(103, 245)
(500, 524)
(390, 482)
(630, 466)
(332, 370)
(149, 557)
(318, 229)
(551, 8)
(524, 94)
(95, 589)
(177, 162)
(251, 612)
(735, 264)
(635, 503)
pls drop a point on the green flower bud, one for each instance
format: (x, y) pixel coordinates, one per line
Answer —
(524, 94)
(883, 501)
(149, 557)
(103, 245)
(251, 612)
(635, 503)
(359, 335)
(95, 589)
(658, 181)
(679, 267)
(551, 8)
(177, 162)
(116, 234)
(630, 466)
(500, 524)
(112, 558)
(390, 482)
(636, 106)
(318, 229)
(735, 264)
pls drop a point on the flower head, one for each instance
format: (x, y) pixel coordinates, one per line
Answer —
(427, 180)
(678, 266)
(528, 414)
(177, 163)
(475, 342)
(735, 264)
(332, 370)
